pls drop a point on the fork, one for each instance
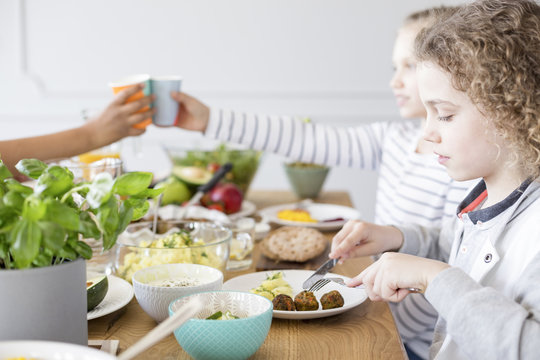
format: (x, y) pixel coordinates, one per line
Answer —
(319, 284)
(340, 281)
(322, 282)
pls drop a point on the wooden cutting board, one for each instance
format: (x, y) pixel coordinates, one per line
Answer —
(265, 263)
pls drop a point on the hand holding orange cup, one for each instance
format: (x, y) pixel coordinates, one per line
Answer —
(130, 81)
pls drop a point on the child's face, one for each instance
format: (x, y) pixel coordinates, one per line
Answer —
(404, 83)
(462, 137)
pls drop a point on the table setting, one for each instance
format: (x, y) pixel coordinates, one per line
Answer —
(133, 289)
(359, 327)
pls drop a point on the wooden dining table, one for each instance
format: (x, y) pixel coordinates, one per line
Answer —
(366, 331)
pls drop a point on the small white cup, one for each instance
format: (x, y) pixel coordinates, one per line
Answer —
(166, 107)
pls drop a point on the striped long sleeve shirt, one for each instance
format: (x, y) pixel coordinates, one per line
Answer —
(412, 188)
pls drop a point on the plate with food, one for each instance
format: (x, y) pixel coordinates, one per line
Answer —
(315, 215)
(118, 294)
(284, 288)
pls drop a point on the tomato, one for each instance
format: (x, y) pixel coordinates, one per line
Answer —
(216, 206)
(213, 167)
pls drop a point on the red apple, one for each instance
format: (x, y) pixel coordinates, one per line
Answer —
(228, 195)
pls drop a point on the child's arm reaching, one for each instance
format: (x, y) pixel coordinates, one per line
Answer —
(113, 124)
(293, 137)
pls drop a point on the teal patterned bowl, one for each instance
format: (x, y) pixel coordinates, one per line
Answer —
(225, 339)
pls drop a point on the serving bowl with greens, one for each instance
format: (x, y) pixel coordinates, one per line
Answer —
(174, 242)
(232, 325)
(196, 167)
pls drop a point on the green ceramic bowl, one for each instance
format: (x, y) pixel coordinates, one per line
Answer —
(306, 180)
(225, 339)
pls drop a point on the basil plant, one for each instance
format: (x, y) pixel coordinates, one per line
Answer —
(45, 225)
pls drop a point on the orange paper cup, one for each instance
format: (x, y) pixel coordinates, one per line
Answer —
(130, 81)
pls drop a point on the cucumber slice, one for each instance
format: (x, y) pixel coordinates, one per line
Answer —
(96, 289)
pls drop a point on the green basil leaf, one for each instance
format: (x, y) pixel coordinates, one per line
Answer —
(4, 171)
(34, 208)
(12, 184)
(54, 235)
(27, 242)
(88, 227)
(14, 200)
(4, 250)
(109, 240)
(108, 216)
(62, 214)
(42, 260)
(54, 181)
(67, 253)
(132, 183)
(151, 193)
(140, 207)
(124, 219)
(83, 249)
(7, 215)
(100, 190)
(32, 168)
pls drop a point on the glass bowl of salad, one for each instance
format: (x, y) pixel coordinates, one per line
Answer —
(196, 166)
(173, 242)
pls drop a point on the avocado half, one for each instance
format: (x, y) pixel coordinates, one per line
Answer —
(96, 289)
(192, 175)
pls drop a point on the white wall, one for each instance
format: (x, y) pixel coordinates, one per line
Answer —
(329, 60)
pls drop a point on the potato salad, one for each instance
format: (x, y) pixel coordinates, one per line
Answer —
(273, 286)
(178, 247)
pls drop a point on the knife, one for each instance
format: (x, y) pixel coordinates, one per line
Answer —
(201, 190)
(319, 273)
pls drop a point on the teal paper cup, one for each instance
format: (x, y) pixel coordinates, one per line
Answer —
(166, 107)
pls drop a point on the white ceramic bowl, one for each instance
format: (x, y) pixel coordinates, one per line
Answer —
(50, 350)
(155, 299)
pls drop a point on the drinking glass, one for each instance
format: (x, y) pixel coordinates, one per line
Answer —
(243, 236)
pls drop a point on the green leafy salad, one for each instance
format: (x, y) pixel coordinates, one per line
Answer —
(245, 163)
(219, 315)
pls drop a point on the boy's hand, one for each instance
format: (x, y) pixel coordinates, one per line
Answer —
(193, 114)
(358, 238)
(388, 278)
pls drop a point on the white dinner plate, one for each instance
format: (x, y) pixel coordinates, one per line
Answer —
(352, 297)
(49, 350)
(320, 212)
(248, 208)
(119, 295)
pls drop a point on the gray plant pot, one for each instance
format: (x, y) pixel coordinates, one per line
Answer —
(44, 303)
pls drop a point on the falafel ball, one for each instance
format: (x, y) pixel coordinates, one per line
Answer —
(332, 300)
(306, 301)
(283, 302)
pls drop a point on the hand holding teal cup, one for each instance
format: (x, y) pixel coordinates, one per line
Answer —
(166, 107)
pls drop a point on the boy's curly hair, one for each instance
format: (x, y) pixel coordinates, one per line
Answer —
(430, 16)
(491, 48)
